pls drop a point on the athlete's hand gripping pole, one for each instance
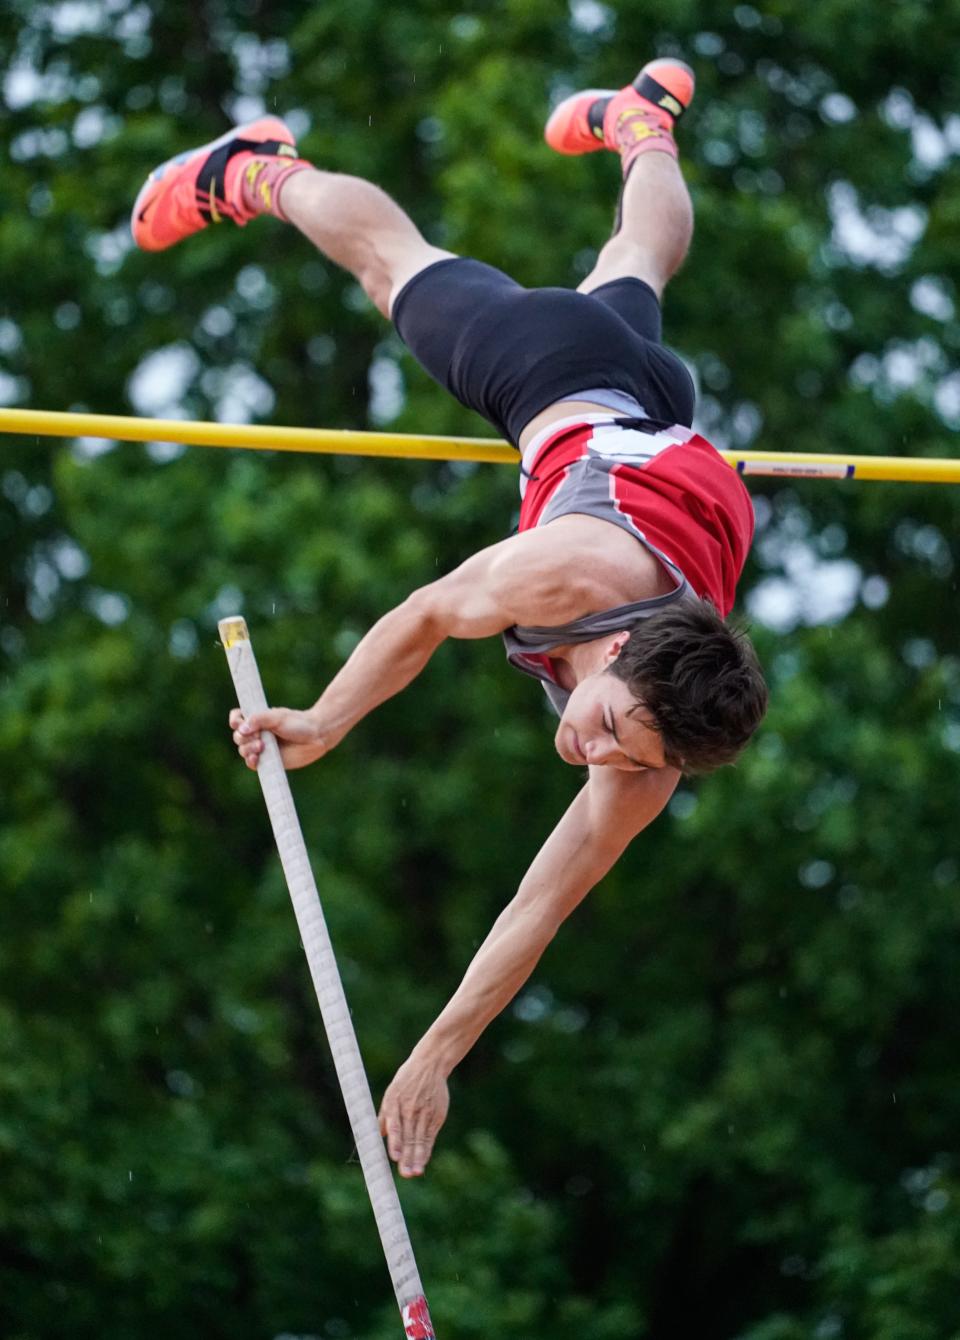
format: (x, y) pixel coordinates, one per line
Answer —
(333, 1003)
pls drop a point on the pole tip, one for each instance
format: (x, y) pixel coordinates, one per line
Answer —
(232, 631)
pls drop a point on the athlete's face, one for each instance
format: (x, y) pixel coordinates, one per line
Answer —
(602, 726)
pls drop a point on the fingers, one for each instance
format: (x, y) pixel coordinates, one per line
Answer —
(410, 1138)
(297, 733)
(256, 721)
(246, 736)
(390, 1130)
(415, 1153)
(414, 1156)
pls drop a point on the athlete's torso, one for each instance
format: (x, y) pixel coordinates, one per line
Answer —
(620, 569)
(668, 488)
(667, 493)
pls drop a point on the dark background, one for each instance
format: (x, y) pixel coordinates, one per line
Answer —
(727, 1104)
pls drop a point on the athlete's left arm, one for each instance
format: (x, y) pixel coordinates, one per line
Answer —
(608, 812)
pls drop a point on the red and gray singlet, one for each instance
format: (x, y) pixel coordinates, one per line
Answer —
(670, 489)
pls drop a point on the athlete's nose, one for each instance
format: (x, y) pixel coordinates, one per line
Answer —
(598, 752)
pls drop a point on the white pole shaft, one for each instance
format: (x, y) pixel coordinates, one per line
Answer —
(333, 1003)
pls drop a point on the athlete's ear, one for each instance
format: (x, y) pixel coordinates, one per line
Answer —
(615, 646)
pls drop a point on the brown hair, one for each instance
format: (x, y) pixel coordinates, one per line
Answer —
(699, 682)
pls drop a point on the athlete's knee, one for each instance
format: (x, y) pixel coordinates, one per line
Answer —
(412, 263)
(377, 284)
(622, 258)
(385, 265)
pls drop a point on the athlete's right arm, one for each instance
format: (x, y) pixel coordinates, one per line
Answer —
(518, 580)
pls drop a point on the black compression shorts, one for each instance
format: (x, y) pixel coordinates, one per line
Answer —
(509, 352)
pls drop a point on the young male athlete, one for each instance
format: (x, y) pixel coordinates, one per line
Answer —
(633, 530)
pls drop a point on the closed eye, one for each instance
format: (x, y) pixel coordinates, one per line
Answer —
(611, 726)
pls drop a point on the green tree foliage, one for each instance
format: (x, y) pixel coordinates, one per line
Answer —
(727, 1104)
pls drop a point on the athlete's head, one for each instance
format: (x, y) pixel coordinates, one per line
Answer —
(684, 690)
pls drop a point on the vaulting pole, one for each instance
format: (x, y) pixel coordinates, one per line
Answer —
(330, 995)
(413, 446)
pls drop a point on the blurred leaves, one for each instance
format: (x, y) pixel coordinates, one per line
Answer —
(729, 1091)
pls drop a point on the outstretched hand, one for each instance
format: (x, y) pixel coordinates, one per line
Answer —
(298, 734)
(414, 1108)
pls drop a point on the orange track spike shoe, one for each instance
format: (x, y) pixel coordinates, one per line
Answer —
(195, 188)
(575, 126)
(667, 83)
(587, 121)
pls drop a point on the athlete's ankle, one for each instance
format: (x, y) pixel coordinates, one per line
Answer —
(660, 143)
(634, 126)
(261, 183)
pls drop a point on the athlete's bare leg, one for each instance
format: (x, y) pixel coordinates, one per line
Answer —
(656, 226)
(255, 170)
(358, 226)
(651, 243)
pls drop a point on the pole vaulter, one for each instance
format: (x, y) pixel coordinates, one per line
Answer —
(633, 533)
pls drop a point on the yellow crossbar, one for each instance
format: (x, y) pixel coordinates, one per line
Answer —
(262, 437)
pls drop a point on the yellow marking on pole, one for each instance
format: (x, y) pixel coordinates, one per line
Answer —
(414, 446)
(233, 630)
